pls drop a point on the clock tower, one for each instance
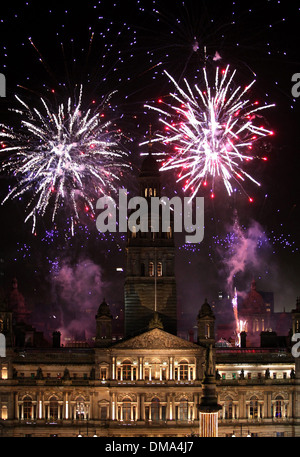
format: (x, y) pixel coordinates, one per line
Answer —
(150, 285)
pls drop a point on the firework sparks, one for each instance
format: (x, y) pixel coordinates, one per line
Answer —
(212, 130)
(240, 324)
(62, 158)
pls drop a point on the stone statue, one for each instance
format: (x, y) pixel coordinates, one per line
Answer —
(292, 373)
(267, 374)
(39, 373)
(66, 374)
(209, 368)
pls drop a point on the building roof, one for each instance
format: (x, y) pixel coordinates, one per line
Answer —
(149, 167)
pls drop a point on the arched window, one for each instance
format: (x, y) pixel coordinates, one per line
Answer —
(207, 330)
(28, 410)
(4, 412)
(155, 409)
(126, 409)
(183, 409)
(4, 372)
(279, 406)
(183, 370)
(126, 370)
(253, 408)
(80, 408)
(53, 408)
(228, 408)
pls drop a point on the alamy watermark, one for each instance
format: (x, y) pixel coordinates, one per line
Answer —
(144, 215)
(296, 86)
(2, 85)
(295, 347)
(2, 345)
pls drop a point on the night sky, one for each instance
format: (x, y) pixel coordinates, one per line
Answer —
(50, 48)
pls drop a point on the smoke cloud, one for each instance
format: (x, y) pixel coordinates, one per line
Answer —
(247, 256)
(77, 290)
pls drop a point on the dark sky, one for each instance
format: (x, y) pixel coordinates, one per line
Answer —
(50, 48)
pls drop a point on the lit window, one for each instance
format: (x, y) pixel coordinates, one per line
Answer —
(4, 374)
(126, 409)
(278, 407)
(27, 408)
(253, 408)
(151, 269)
(155, 409)
(53, 408)
(183, 370)
(126, 370)
(159, 269)
(103, 373)
(4, 412)
(80, 408)
(183, 409)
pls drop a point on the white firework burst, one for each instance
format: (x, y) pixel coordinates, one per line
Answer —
(212, 130)
(62, 157)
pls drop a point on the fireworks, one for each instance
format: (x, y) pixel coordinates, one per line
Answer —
(213, 132)
(240, 324)
(63, 159)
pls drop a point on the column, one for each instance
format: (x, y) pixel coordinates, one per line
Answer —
(66, 406)
(173, 407)
(113, 407)
(284, 406)
(138, 407)
(140, 368)
(40, 406)
(142, 406)
(247, 410)
(131, 412)
(195, 406)
(168, 407)
(171, 368)
(113, 368)
(16, 406)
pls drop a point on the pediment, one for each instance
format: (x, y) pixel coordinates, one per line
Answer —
(156, 339)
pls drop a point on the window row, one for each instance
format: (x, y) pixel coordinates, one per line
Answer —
(53, 409)
(128, 371)
(255, 408)
(151, 269)
(256, 375)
